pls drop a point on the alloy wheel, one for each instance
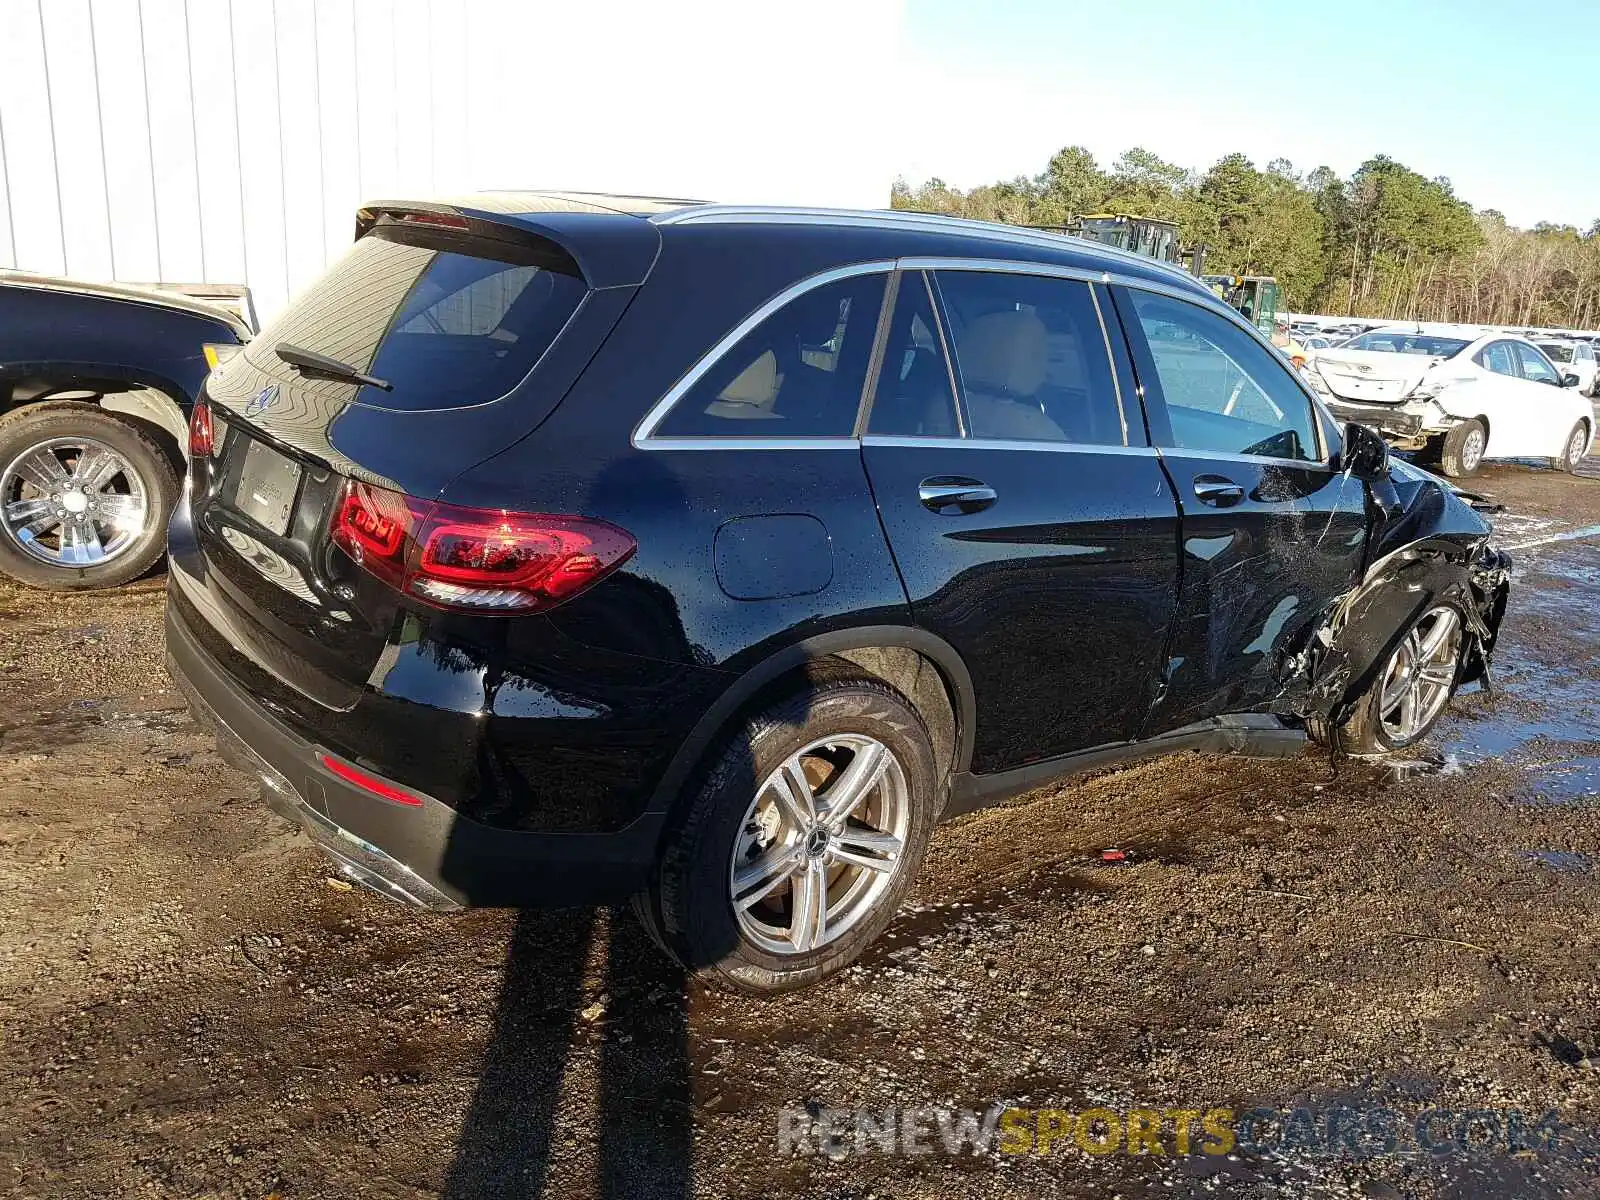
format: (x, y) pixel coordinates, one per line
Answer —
(1472, 451)
(1419, 675)
(73, 502)
(1576, 446)
(820, 844)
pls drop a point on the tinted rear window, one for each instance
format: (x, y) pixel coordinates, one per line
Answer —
(1400, 342)
(449, 320)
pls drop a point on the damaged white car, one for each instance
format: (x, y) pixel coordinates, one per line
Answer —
(1457, 399)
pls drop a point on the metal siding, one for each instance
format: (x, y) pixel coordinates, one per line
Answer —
(231, 141)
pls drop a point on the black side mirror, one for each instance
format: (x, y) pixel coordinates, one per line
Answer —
(1366, 454)
(1569, 380)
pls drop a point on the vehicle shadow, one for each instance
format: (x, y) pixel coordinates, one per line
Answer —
(530, 1106)
(559, 1043)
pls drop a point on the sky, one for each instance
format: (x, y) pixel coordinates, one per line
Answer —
(1502, 105)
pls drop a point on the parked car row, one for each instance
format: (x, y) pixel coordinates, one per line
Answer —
(558, 550)
(1458, 400)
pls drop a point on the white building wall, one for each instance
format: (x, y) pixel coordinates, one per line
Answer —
(231, 141)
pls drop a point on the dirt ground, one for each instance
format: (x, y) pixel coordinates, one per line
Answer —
(191, 1006)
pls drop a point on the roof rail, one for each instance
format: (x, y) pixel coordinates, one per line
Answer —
(879, 218)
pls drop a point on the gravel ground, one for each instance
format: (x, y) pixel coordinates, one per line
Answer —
(191, 1006)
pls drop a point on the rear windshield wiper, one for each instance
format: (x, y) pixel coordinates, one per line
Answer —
(309, 362)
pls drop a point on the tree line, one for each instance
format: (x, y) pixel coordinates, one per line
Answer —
(1386, 243)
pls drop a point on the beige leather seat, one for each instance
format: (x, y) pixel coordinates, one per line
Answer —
(751, 394)
(1004, 358)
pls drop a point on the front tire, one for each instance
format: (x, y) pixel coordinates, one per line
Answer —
(1462, 451)
(84, 497)
(1411, 689)
(800, 843)
(1577, 443)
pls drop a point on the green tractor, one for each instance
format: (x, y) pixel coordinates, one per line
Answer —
(1256, 296)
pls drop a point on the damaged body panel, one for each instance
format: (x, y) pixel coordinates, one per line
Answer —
(1427, 546)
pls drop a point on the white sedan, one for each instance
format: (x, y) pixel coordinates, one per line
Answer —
(1461, 400)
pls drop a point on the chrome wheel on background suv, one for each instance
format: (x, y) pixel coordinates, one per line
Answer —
(73, 502)
(84, 496)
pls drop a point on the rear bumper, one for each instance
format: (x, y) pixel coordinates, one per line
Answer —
(1393, 419)
(425, 854)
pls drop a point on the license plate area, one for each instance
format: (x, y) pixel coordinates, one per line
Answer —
(267, 487)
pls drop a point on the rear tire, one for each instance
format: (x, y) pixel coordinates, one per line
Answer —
(1577, 443)
(738, 821)
(1463, 449)
(141, 481)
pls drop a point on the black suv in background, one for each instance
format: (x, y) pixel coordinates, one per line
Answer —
(96, 385)
(555, 549)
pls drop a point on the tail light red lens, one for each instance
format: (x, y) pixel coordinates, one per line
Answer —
(481, 559)
(202, 434)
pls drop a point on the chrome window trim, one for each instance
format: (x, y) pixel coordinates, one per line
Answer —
(1111, 361)
(978, 443)
(1228, 312)
(1298, 464)
(749, 443)
(936, 304)
(642, 439)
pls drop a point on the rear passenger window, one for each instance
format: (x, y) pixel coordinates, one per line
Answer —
(1031, 358)
(913, 398)
(1225, 392)
(797, 374)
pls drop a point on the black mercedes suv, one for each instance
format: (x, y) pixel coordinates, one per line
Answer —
(557, 549)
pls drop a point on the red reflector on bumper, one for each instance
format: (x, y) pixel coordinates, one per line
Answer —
(369, 783)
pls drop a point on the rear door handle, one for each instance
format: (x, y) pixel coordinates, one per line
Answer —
(1218, 490)
(955, 493)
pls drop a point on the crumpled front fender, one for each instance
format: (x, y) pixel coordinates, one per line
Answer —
(1428, 547)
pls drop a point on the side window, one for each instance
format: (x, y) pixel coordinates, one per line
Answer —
(1224, 391)
(1031, 358)
(797, 374)
(913, 395)
(1535, 366)
(1497, 357)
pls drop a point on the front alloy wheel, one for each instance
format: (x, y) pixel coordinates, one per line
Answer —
(1416, 683)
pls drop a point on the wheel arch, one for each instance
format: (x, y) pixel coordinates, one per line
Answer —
(151, 399)
(923, 668)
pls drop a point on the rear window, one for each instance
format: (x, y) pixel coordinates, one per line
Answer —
(1557, 351)
(448, 319)
(1400, 342)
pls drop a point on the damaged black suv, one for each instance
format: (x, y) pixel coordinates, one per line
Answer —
(559, 549)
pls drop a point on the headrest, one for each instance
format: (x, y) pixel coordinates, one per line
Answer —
(1007, 352)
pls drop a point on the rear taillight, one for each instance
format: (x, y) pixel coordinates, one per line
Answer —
(202, 434)
(475, 558)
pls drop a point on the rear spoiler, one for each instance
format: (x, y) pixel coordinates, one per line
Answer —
(608, 248)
